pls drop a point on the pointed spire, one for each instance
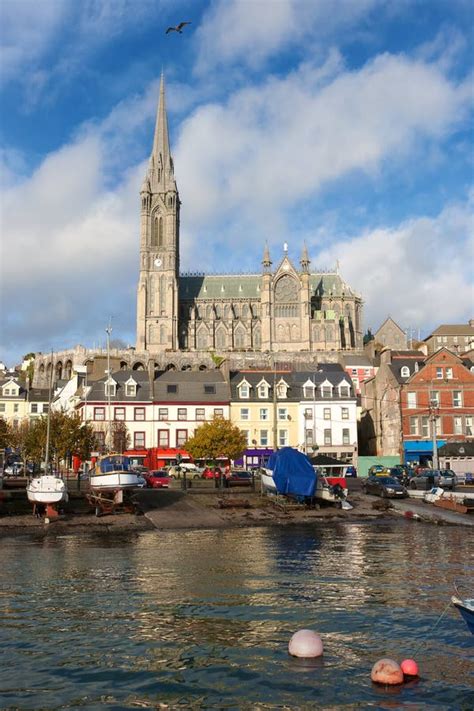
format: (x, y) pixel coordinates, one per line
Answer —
(266, 261)
(160, 167)
(304, 261)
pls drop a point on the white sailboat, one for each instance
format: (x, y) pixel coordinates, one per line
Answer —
(46, 488)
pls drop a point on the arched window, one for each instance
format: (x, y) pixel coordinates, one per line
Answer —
(201, 341)
(160, 232)
(405, 372)
(257, 337)
(220, 338)
(239, 338)
(329, 334)
(154, 231)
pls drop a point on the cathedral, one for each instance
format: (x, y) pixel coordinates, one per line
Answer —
(285, 308)
(285, 312)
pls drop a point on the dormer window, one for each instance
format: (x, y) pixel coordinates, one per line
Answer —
(326, 389)
(130, 388)
(309, 389)
(405, 372)
(344, 390)
(110, 388)
(282, 389)
(244, 389)
(263, 389)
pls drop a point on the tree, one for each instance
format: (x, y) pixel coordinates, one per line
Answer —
(217, 438)
(120, 436)
(4, 434)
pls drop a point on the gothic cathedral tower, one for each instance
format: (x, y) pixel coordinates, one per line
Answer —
(157, 297)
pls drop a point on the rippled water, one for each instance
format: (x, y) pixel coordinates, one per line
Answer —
(202, 619)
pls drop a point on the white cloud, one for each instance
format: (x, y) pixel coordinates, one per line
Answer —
(419, 272)
(273, 145)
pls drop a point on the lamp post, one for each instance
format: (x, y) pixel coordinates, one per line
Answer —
(433, 409)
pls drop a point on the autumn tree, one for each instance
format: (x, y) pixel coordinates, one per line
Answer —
(217, 438)
(4, 434)
(68, 436)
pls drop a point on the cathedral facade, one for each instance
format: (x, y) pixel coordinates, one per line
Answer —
(284, 308)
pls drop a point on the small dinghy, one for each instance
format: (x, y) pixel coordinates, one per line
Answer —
(465, 606)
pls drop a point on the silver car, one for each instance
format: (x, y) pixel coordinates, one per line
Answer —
(427, 478)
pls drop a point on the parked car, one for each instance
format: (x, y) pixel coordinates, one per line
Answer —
(191, 470)
(386, 486)
(157, 479)
(427, 478)
(400, 473)
(376, 469)
(238, 477)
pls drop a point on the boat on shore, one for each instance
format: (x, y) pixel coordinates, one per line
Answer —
(267, 481)
(114, 472)
(332, 489)
(47, 489)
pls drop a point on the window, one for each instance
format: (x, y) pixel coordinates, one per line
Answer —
(138, 440)
(411, 400)
(366, 372)
(119, 413)
(181, 437)
(110, 388)
(449, 373)
(282, 438)
(163, 438)
(99, 413)
(354, 371)
(200, 413)
(34, 407)
(344, 413)
(263, 438)
(439, 425)
(308, 413)
(346, 436)
(99, 440)
(326, 390)
(15, 407)
(171, 388)
(282, 390)
(282, 413)
(182, 413)
(434, 398)
(344, 391)
(458, 425)
(327, 413)
(247, 435)
(209, 389)
(457, 398)
(262, 390)
(218, 412)
(413, 425)
(139, 414)
(439, 373)
(425, 426)
(308, 391)
(468, 425)
(264, 413)
(244, 413)
(327, 437)
(2, 407)
(405, 372)
(309, 437)
(244, 390)
(162, 413)
(130, 389)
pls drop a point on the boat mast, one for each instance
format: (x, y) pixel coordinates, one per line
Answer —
(108, 331)
(48, 421)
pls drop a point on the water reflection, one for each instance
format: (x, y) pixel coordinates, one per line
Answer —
(202, 619)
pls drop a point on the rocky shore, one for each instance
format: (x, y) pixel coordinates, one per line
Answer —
(175, 509)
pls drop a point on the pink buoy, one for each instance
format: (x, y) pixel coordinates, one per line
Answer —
(386, 671)
(409, 667)
(306, 644)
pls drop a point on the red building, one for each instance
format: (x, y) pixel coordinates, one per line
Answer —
(440, 394)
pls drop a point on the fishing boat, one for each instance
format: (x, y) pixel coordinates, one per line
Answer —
(465, 606)
(114, 472)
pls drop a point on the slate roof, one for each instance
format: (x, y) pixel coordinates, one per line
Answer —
(206, 386)
(455, 329)
(451, 449)
(38, 395)
(218, 287)
(396, 367)
(254, 377)
(96, 392)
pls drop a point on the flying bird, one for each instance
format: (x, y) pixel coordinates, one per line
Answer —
(178, 28)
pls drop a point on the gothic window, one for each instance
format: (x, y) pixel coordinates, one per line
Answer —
(239, 338)
(220, 338)
(329, 334)
(160, 232)
(257, 337)
(286, 289)
(201, 343)
(154, 230)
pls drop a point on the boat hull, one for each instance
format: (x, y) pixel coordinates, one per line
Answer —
(268, 483)
(116, 480)
(46, 490)
(466, 609)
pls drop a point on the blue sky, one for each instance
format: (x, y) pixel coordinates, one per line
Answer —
(343, 123)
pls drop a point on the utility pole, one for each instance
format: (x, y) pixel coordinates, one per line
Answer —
(275, 425)
(108, 443)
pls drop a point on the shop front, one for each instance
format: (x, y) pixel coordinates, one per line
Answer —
(420, 451)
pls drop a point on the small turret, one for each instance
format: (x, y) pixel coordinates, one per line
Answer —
(304, 261)
(266, 261)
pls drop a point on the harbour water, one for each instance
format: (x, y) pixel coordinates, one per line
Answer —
(202, 619)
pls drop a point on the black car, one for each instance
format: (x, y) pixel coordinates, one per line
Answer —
(386, 486)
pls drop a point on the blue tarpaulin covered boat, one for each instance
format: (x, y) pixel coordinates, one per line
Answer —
(292, 472)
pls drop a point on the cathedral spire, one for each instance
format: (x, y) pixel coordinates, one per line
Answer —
(161, 170)
(266, 261)
(304, 261)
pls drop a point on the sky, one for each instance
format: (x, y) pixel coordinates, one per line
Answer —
(344, 124)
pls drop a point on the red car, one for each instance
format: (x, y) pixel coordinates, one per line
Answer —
(157, 479)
